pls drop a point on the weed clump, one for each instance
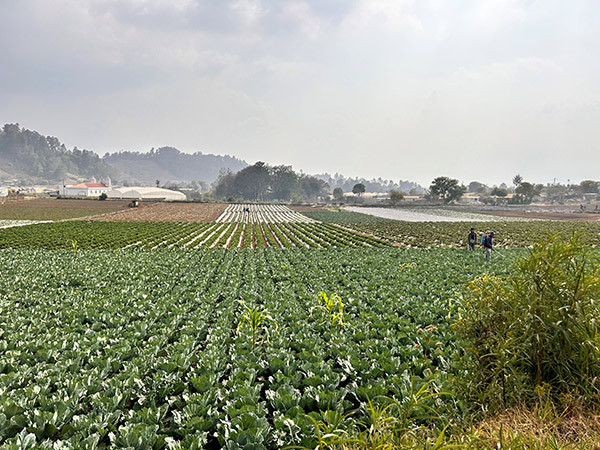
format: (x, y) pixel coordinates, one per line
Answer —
(533, 337)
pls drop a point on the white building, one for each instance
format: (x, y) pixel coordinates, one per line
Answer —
(92, 189)
(146, 193)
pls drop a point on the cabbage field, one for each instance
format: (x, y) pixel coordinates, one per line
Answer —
(235, 334)
(149, 349)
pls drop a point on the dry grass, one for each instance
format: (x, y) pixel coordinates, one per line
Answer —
(167, 212)
(538, 429)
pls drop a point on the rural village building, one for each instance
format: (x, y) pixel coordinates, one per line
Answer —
(146, 193)
(92, 189)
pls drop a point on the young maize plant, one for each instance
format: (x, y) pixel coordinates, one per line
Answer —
(333, 305)
(410, 265)
(256, 319)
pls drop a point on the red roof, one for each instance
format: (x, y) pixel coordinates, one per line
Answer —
(89, 185)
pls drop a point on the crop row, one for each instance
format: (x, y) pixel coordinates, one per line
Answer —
(454, 234)
(151, 235)
(249, 213)
(145, 349)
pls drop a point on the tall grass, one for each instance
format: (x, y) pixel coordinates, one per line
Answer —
(533, 337)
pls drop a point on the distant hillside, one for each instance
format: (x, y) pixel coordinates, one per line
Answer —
(167, 164)
(30, 158)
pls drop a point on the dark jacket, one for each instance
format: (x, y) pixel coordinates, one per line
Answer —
(472, 238)
(488, 242)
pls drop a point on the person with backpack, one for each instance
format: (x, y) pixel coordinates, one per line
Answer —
(488, 245)
(472, 240)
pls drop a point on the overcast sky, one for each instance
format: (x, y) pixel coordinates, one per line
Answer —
(399, 89)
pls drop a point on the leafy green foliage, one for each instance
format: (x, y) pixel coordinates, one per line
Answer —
(44, 158)
(152, 235)
(454, 234)
(446, 189)
(535, 334)
(263, 182)
(257, 320)
(115, 349)
(334, 307)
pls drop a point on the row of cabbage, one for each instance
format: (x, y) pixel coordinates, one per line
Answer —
(188, 235)
(145, 349)
(454, 234)
(249, 213)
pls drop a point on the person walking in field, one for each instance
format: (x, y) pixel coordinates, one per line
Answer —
(488, 245)
(472, 239)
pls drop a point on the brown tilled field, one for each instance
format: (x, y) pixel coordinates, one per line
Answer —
(167, 212)
(57, 209)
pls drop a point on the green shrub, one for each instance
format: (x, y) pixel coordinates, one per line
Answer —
(534, 335)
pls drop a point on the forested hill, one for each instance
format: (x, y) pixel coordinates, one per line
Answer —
(32, 158)
(169, 164)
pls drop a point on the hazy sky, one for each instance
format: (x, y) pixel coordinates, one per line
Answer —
(398, 89)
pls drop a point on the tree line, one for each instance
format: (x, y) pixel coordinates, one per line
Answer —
(450, 190)
(263, 182)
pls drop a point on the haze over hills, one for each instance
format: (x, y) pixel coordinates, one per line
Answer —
(31, 158)
(169, 164)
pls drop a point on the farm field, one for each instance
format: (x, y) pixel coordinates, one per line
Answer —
(151, 349)
(261, 213)
(167, 212)
(186, 235)
(139, 334)
(57, 209)
(454, 234)
(425, 214)
(508, 234)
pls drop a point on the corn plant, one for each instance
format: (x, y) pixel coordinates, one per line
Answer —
(334, 306)
(257, 321)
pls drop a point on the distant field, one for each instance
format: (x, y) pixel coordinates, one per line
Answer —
(426, 214)
(454, 234)
(341, 216)
(168, 212)
(57, 209)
